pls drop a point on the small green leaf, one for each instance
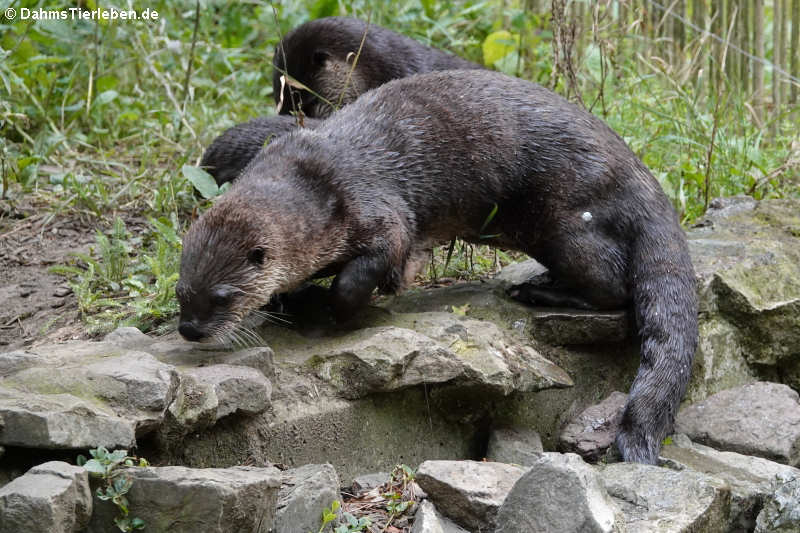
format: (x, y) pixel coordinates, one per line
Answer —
(105, 97)
(498, 45)
(460, 311)
(202, 181)
(95, 467)
(106, 83)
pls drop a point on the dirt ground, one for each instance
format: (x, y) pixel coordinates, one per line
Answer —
(35, 305)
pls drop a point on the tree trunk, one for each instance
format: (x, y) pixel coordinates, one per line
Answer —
(777, 24)
(758, 51)
(795, 50)
(699, 16)
(730, 34)
(784, 37)
(715, 59)
(744, 44)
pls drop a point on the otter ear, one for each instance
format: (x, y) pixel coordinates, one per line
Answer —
(320, 57)
(256, 256)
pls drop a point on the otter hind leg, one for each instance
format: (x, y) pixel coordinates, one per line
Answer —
(550, 294)
(585, 271)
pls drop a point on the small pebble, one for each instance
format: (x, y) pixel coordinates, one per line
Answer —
(62, 291)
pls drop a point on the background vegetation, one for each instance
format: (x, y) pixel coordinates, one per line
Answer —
(98, 119)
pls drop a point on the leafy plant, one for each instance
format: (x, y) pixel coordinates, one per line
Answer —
(110, 468)
(329, 515)
(116, 286)
(353, 524)
(400, 498)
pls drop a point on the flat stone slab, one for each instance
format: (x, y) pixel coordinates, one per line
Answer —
(238, 389)
(88, 394)
(751, 479)
(514, 446)
(60, 421)
(663, 500)
(425, 348)
(560, 492)
(593, 431)
(188, 500)
(468, 492)
(761, 419)
(304, 493)
(53, 497)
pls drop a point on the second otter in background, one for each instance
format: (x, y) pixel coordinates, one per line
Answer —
(318, 54)
(232, 151)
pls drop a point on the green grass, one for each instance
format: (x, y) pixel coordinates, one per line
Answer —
(96, 123)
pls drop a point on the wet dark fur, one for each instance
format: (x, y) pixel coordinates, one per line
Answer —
(230, 153)
(426, 159)
(317, 55)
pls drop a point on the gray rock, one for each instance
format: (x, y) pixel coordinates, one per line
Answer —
(781, 511)
(428, 520)
(441, 348)
(83, 395)
(720, 208)
(559, 493)
(129, 338)
(517, 273)
(659, 499)
(11, 362)
(194, 408)
(593, 431)
(191, 354)
(468, 492)
(761, 419)
(751, 479)
(367, 482)
(513, 445)
(304, 493)
(53, 497)
(237, 388)
(212, 500)
(720, 361)
(136, 385)
(60, 421)
(746, 261)
(574, 326)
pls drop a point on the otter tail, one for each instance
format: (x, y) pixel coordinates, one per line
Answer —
(665, 305)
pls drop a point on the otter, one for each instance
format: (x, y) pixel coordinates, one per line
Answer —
(434, 156)
(318, 54)
(230, 153)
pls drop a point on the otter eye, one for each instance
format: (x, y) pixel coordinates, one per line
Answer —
(256, 256)
(223, 294)
(220, 299)
(319, 57)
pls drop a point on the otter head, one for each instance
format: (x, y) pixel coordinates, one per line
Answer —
(229, 267)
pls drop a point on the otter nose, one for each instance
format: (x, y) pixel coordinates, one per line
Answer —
(189, 331)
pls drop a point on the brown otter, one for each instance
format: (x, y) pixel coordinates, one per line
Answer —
(428, 158)
(230, 153)
(317, 54)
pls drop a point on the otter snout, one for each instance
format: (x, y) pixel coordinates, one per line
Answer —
(189, 331)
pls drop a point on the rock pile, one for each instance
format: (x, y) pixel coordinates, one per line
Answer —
(438, 378)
